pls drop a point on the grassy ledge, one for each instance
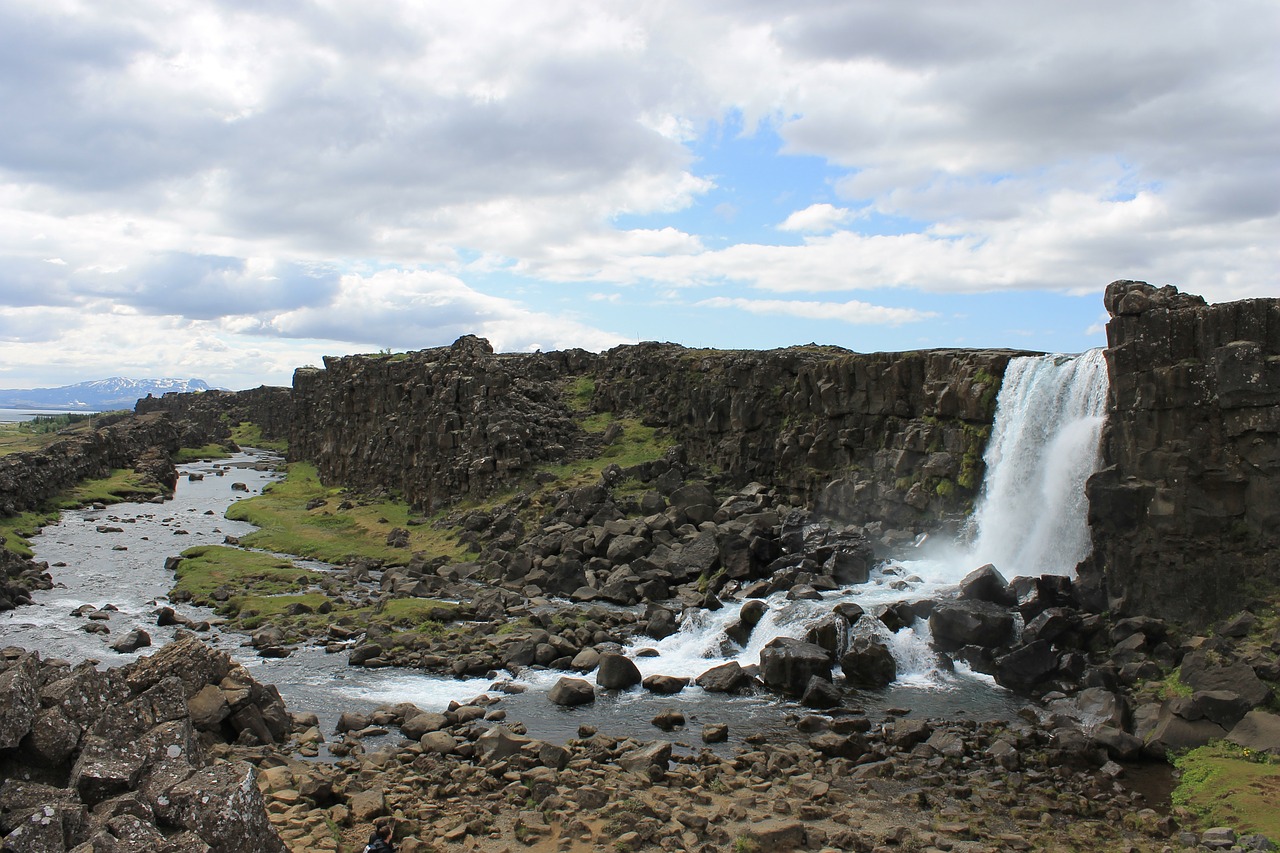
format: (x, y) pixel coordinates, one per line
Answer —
(337, 530)
(249, 434)
(1225, 785)
(122, 485)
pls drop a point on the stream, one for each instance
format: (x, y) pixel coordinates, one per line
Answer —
(115, 556)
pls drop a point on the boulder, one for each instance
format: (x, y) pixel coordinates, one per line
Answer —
(617, 672)
(725, 678)
(869, 663)
(970, 623)
(820, 693)
(787, 664)
(132, 641)
(1258, 731)
(1201, 672)
(656, 754)
(987, 584)
(572, 691)
(665, 685)
(19, 701)
(1027, 665)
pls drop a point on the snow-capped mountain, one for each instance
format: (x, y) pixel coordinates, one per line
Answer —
(98, 395)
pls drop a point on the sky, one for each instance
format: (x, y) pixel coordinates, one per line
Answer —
(229, 190)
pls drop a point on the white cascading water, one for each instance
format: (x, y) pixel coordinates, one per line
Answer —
(1032, 517)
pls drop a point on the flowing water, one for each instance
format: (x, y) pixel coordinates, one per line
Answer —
(1031, 519)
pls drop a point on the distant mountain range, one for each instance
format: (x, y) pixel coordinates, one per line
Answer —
(99, 395)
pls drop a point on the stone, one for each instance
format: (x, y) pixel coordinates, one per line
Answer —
(420, 724)
(868, 663)
(664, 685)
(725, 678)
(777, 835)
(19, 702)
(787, 664)
(986, 584)
(132, 641)
(715, 733)
(1259, 731)
(499, 743)
(617, 672)
(222, 805)
(571, 691)
(820, 693)
(439, 743)
(656, 754)
(208, 708)
(970, 623)
(1201, 672)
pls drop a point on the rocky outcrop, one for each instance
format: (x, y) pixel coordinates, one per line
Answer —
(28, 480)
(1186, 513)
(890, 437)
(116, 760)
(208, 416)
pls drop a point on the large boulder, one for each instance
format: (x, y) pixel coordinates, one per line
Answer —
(572, 691)
(869, 663)
(970, 623)
(1258, 731)
(986, 584)
(726, 678)
(1201, 672)
(617, 672)
(787, 664)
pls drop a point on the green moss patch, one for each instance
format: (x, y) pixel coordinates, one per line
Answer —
(242, 574)
(1228, 786)
(249, 434)
(327, 531)
(194, 454)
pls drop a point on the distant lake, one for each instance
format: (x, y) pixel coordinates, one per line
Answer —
(12, 416)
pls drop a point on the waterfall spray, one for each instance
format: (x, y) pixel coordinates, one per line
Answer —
(1032, 516)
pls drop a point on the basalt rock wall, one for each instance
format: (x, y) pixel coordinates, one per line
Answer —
(1186, 513)
(29, 479)
(894, 437)
(208, 416)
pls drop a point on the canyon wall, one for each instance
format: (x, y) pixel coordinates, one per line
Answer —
(891, 437)
(208, 416)
(1186, 513)
(29, 479)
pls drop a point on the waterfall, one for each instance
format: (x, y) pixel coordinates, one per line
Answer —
(1032, 514)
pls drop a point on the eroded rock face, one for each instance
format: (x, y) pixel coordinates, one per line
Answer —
(1186, 516)
(114, 760)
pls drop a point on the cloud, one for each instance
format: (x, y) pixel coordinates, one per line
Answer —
(816, 218)
(408, 310)
(853, 312)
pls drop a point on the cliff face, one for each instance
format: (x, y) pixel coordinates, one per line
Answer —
(1186, 514)
(28, 480)
(209, 415)
(891, 437)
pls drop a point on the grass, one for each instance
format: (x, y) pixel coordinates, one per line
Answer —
(121, 485)
(638, 443)
(206, 568)
(249, 434)
(208, 451)
(331, 534)
(578, 393)
(41, 432)
(1228, 786)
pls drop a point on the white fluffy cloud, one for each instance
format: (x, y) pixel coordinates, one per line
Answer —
(853, 312)
(357, 173)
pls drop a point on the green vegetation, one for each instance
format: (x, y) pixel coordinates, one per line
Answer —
(1226, 785)
(249, 434)
(192, 454)
(42, 431)
(206, 569)
(578, 393)
(636, 444)
(327, 531)
(121, 485)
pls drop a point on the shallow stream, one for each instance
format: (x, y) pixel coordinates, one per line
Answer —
(115, 556)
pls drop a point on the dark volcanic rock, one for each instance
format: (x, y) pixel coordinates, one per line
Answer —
(1185, 514)
(869, 663)
(787, 664)
(970, 623)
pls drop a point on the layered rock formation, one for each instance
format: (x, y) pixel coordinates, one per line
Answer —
(209, 415)
(28, 480)
(1186, 514)
(117, 760)
(901, 434)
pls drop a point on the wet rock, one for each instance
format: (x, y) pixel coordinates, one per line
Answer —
(787, 664)
(987, 584)
(725, 678)
(1201, 672)
(820, 693)
(669, 720)
(868, 663)
(749, 616)
(132, 641)
(617, 672)
(665, 685)
(970, 623)
(572, 691)
(715, 733)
